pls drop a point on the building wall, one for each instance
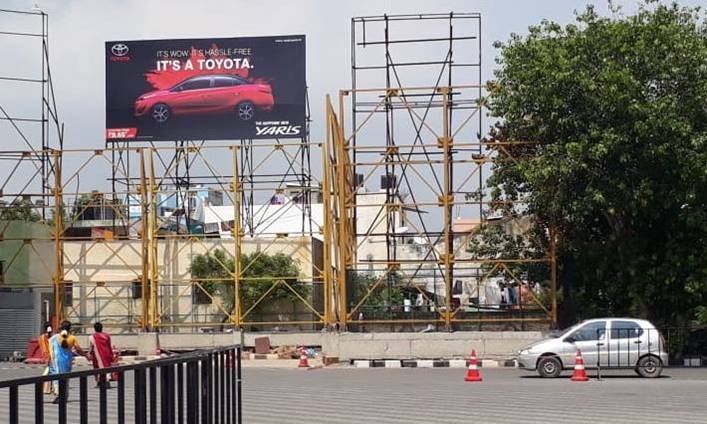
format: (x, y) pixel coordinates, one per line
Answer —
(101, 275)
(27, 253)
(371, 219)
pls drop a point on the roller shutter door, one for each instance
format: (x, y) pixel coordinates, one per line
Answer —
(18, 321)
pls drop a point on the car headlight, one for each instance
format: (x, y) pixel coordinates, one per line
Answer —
(524, 352)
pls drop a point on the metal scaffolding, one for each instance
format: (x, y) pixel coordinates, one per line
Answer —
(431, 165)
(32, 132)
(119, 251)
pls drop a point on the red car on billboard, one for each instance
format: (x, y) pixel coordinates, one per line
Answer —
(206, 94)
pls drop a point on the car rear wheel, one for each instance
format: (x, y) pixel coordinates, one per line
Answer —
(161, 113)
(649, 367)
(246, 111)
(549, 367)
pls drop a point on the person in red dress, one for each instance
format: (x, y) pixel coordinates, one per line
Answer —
(100, 350)
(43, 341)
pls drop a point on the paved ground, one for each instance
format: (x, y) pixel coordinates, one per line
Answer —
(344, 395)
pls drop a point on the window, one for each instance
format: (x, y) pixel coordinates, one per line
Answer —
(196, 84)
(199, 296)
(625, 330)
(227, 226)
(137, 289)
(68, 293)
(224, 82)
(239, 81)
(590, 332)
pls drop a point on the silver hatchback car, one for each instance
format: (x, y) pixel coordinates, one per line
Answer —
(605, 343)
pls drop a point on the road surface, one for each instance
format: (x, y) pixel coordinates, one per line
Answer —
(345, 395)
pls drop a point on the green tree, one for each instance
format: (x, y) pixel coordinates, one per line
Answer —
(85, 206)
(617, 107)
(20, 210)
(214, 272)
(388, 293)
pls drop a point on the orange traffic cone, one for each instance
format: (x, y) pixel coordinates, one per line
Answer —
(303, 360)
(472, 373)
(579, 373)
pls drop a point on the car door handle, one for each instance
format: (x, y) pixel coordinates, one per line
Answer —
(600, 344)
(637, 342)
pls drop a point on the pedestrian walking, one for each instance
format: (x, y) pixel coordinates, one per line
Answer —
(62, 347)
(100, 352)
(43, 341)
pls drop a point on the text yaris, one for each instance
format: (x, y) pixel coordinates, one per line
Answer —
(276, 130)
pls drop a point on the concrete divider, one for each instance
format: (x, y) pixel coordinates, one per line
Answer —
(488, 345)
(498, 345)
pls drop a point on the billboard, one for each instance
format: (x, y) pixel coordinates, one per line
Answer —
(205, 89)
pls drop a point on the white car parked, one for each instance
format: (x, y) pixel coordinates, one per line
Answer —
(605, 343)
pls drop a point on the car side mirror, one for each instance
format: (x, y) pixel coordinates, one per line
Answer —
(570, 339)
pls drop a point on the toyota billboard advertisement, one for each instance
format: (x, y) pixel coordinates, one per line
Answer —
(205, 89)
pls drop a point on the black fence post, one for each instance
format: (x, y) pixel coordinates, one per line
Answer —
(238, 386)
(221, 381)
(14, 417)
(153, 394)
(63, 397)
(164, 395)
(203, 362)
(180, 393)
(228, 364)
(211, 387)
(171, 374)
(39, 403)
(192, 386)
(599, 344)
(213, 391)
(214, 388)
(83, 400)
(103, 398)
(121, 397)
(218, 395)
(139, 399)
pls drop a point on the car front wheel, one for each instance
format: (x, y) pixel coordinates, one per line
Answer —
(649, 367)
(245, 111)
(161, 113)
(549, 367)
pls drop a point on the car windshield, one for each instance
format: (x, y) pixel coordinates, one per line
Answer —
(571, 329)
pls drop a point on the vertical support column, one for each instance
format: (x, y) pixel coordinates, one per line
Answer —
(344, 244)
(153, 257)
(145, 238)
(326, 230)
(58, 240)
(237, 316)
(447, 202)
(45, 122)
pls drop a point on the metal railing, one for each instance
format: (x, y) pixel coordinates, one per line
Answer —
(625, 347)
(203, 386)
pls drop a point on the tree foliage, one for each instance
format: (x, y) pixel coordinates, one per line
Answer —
(259, 271)
(618, 108)
(20, 210)
(388, 292)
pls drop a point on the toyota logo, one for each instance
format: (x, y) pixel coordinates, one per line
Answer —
(119, 50)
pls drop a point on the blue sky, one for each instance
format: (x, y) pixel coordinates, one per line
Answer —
(79, 28)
